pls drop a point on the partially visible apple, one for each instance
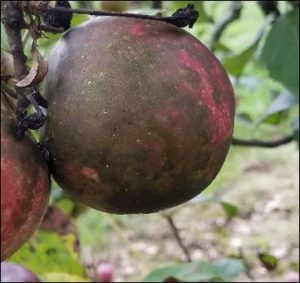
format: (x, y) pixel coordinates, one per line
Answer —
(104, 272)
(25, 185)
(11, 272)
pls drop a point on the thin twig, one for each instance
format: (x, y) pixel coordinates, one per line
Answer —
(267, 144)
(12, 19)
(182, 17)
(176, 234)
(233, 14)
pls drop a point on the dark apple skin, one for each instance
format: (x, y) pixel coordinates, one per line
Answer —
(140, 115)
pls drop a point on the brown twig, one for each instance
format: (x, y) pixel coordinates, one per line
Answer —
(12, 18)
(233, 14)
(267, 144)
(182, 17)
(13, 22)
(178, 239)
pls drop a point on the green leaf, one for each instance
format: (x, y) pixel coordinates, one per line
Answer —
(50, 252)
(66, 204)
(4, 39)
(222, 270)
(160, 274)
(244, 118)
(222, 47)
(235, 64)
(282, 103)
(79, 19)
(62, 277)
(269, 261)
(230, 209)
(281, 51)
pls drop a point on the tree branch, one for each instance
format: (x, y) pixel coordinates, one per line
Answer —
(12, 18)
(176, 234)
(233, 14)
(182, 17)
(13, 22)
(266, 144)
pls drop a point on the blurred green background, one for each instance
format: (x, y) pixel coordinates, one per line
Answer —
(244, 226)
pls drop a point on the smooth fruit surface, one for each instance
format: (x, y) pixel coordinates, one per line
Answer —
(25, 186)
(140, 115)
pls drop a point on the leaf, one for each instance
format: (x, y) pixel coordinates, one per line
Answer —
(230, 268)
(161, 274)
(49, 252)
(230, 209)
(269, 261)
(223, 270)
(236, 64)
(280, 53)
(282, 102)
(79, 19)
(244, 118)
(222, 47)
(62, 277)
(38, 70)
(4, 39)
